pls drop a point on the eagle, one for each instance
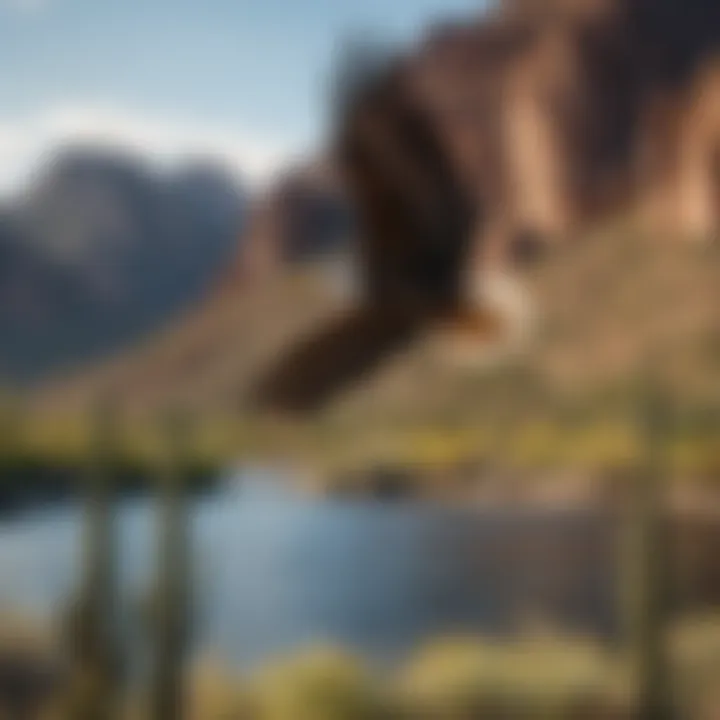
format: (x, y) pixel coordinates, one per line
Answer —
(415, 224)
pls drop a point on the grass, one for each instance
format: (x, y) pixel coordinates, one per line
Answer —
(589, 438)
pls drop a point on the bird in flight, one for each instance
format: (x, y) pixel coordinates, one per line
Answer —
(415, 227)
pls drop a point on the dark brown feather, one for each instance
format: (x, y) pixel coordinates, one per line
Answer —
(414, 232)
(337, 356)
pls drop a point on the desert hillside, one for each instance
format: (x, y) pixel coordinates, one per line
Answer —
(603, 308)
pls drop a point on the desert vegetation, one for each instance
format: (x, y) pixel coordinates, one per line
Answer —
(661, 668)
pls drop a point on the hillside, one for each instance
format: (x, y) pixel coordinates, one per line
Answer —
(605, 305)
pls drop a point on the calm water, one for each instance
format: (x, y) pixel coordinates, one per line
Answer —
(275, 571)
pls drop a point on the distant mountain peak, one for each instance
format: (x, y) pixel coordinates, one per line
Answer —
(107, 247)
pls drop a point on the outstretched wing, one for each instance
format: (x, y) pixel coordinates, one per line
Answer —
(415, 217)
(414, 229)
(333, 358)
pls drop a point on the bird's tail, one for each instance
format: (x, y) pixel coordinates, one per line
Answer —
(329, 361)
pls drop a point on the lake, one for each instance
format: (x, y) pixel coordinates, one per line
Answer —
(276, 571)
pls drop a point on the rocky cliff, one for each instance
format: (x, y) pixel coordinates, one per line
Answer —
(560, 113)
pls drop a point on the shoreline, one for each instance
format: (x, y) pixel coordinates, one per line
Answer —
(28, 485)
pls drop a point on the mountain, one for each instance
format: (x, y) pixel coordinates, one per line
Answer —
(304, 217)
(572, 123)
(103, 248)
(560, 113)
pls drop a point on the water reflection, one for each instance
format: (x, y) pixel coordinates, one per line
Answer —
(276, 571)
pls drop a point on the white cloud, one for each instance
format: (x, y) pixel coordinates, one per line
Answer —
(25, 143)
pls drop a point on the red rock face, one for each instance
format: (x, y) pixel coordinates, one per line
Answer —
(554, 115)
(559, 113)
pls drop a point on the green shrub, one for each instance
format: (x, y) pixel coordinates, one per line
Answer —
(321, 685)
(463, 680)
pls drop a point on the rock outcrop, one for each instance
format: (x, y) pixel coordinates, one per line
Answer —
(560, 112)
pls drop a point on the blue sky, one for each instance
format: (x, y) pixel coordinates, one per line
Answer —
(248, 72)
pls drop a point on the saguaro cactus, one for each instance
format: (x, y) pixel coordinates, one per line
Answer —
(12, 427)
(170, 611)
(647, 563)
(95, 687)
(10, 422)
